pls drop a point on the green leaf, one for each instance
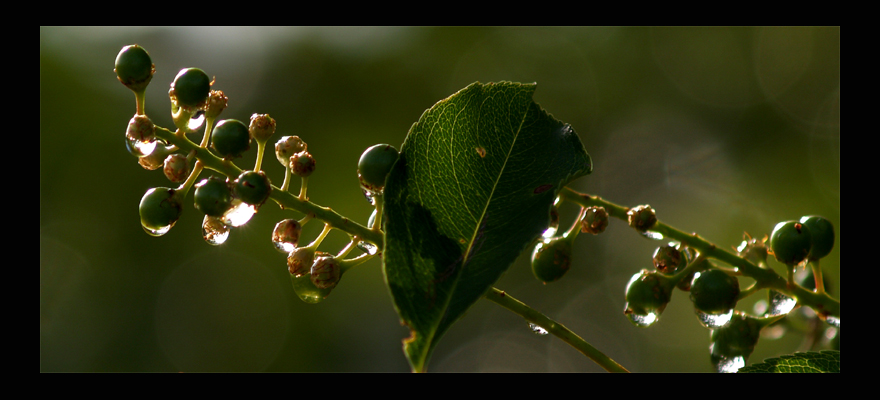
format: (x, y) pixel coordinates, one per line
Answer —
(472, 188)
(825, 361)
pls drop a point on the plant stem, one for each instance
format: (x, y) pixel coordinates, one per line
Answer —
(140, 100)
(822, 303)
(531, 315)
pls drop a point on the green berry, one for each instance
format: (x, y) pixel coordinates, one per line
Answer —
(230, 138)
(286, 147)
(302, 164)
(551, 259)
(325, 272)
(374, 166)
(736, 339)
(253, 187)
(190, 88)
(642, 218)
(134, 68)
(668, 259)
(647, 295)
(714, 292)
(822, 234)
(213, 196)
(791, 242)
(159, 209)
(595, 220)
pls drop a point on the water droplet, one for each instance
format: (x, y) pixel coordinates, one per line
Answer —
(369, 196)
(833, 321)
(195, 123)
(285, 236)
(780, 304)
(713, 321)
(214, 230)
(644, 321)
(284, 247)
(239, 214)
(368, 248)
(653, 235)
(306, 290)
(549, 232)
(160, 231)
(139, 148)
(538, 329)
(728, 364)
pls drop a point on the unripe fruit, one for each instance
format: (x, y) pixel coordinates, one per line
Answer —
(159, 209)
(595, 220)
(647, 295)
(325, 272)
(134, 68)
(668, 259)
(140, 138)
(822, 234)
(374, 165)
(286, 147)
(213, 196)
(736, 339)
(300, 261)
(642, 218)
(285, 236)
(176, 168)
(253, 187)
(141, 128)
(714, 292)
(262, 127)
(302, 164)
(551, 259)
(217, 102)
(190, 88)
(791, 242)
(230, 138)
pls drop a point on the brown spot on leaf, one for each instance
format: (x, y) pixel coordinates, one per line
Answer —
(542, 188)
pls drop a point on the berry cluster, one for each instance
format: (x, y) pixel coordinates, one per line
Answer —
(688, 263)
(715, 290)
(231, 198)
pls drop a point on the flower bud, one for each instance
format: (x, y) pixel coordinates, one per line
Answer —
(642, 218)
(595, 220)
(262, 127)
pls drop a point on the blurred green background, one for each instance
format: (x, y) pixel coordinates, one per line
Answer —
(723, 130)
